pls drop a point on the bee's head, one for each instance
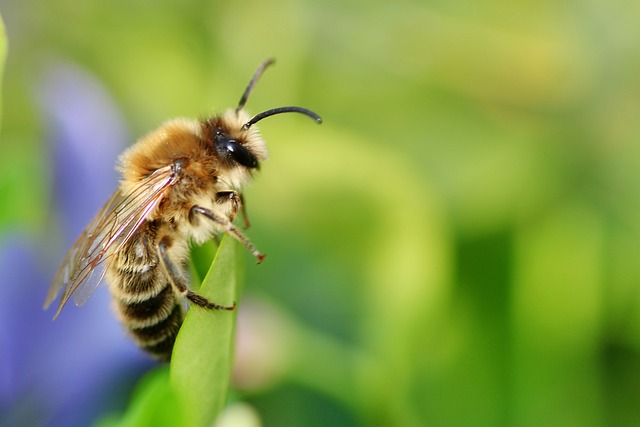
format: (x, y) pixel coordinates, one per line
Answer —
(236, 139)
(233, 144)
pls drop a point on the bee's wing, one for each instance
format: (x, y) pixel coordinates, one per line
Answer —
(80, 253)
(84, 266)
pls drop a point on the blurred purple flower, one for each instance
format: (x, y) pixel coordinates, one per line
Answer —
(86, 134)
(70, 371)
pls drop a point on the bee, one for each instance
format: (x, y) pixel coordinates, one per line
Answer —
(182, 183)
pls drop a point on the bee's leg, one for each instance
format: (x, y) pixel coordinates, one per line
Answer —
(237, 204)
(223, 197)
(227, 226)
(179, 282)
(230, 196)
(243, 212)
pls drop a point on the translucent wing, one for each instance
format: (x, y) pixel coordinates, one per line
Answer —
(84, 266)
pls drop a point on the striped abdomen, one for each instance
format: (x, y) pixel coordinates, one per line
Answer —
(144, 298)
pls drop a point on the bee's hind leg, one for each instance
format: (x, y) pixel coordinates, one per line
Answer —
(179, 282)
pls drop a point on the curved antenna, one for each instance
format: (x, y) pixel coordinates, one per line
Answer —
(254, 80)
(255, 119)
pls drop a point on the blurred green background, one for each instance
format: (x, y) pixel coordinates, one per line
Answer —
(456, 245)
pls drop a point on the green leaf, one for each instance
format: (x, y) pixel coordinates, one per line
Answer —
(3, 53)
(153, 404)
(202, 356)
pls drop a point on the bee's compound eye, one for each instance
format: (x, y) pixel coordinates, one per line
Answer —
(231, 150)
(240, 154)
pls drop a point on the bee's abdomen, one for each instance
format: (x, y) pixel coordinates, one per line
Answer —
(154, 323)
(147, 306)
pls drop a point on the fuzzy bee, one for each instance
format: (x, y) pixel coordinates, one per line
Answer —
(181, 183)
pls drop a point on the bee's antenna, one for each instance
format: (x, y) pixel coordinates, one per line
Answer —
(255, 119)
(254, 80)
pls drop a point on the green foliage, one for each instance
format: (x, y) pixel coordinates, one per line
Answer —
(153, 404)
(203, 354)
(3, 54)
(456, 245)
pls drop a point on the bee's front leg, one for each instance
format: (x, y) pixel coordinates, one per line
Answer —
(226, 226)
(179, 282)
(237, 204)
